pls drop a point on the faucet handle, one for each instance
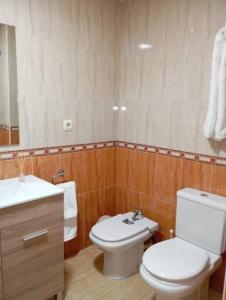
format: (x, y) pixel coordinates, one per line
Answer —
(138, 214)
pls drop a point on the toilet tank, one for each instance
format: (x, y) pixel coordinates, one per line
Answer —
(201, 219)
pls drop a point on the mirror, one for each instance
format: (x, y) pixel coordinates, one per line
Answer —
(9, 121)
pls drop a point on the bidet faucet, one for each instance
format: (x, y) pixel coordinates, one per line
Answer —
(137, 215)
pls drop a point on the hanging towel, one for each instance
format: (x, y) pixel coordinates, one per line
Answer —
(220, 130)
(70, 210)
(215, 122)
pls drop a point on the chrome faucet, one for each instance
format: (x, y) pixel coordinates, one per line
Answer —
(137, 215)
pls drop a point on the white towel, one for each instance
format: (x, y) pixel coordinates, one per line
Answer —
(215, 122)
(70, 210)
(220, 130)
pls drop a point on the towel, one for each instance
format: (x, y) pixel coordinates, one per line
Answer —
(220, 130)
(215, 122)
(70, 210)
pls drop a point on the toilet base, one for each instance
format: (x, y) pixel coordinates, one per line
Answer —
(200, 294)
(121, 264)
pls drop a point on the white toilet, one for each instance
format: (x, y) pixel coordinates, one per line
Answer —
(179, 268)
(122, 240)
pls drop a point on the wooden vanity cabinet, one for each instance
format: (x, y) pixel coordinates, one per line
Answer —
(32, 249)
(1, 292)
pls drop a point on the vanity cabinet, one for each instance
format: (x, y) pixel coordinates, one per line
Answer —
(1, 293)
(32, 249)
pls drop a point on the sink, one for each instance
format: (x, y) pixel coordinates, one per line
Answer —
(13, 192)
(128, 222)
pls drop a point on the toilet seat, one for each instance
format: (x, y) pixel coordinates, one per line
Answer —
(115, 230)
(177, 289)
(175, 260)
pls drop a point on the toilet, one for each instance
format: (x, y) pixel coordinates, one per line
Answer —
(122, 240)
(180, 268)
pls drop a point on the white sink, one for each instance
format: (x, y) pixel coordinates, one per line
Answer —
(14, 192)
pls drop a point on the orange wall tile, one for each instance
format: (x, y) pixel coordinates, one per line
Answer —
(15, 137)
(109, 201)
(145, 164)
(95, 169)
(116, 180)
(197, 175)
(122, 168)
(110, 166)
(4, 137)
(73, 164)
(12, 168)
(94, 174)
(149, 181)
(218, 184)
(46, 166)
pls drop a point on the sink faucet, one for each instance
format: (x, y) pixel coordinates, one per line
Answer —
(137, 215)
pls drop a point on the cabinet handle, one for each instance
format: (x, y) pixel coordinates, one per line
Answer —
(35, 238)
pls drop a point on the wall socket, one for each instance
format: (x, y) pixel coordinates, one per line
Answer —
(68, 125)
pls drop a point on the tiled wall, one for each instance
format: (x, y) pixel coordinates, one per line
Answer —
(7, 137)
(76, 58)
(94, 173)
(166, 88)
(4, 136)
(15, 135)
(65, 63)
(4, 93)
(119, 177)
(149, 181)
(66, 70)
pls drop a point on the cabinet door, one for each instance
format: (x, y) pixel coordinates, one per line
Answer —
(32, 258)
(1, 294)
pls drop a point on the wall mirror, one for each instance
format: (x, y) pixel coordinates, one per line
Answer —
(9, 121)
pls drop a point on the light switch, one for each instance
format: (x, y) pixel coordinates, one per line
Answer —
(68, 125)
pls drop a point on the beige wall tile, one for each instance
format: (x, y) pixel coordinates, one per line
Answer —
(166, 88)
(66, 55)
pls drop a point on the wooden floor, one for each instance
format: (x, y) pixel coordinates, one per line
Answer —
(84, 281)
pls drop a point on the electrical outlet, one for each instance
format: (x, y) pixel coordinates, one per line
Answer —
(68, 125)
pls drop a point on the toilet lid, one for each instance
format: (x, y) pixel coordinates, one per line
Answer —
(175, 260)
(114, 229)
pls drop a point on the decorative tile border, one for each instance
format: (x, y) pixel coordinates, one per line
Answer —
(175, 153)
(7, 127)
(82, 147)
(4, 127)
(15, 128)
(54, 150)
